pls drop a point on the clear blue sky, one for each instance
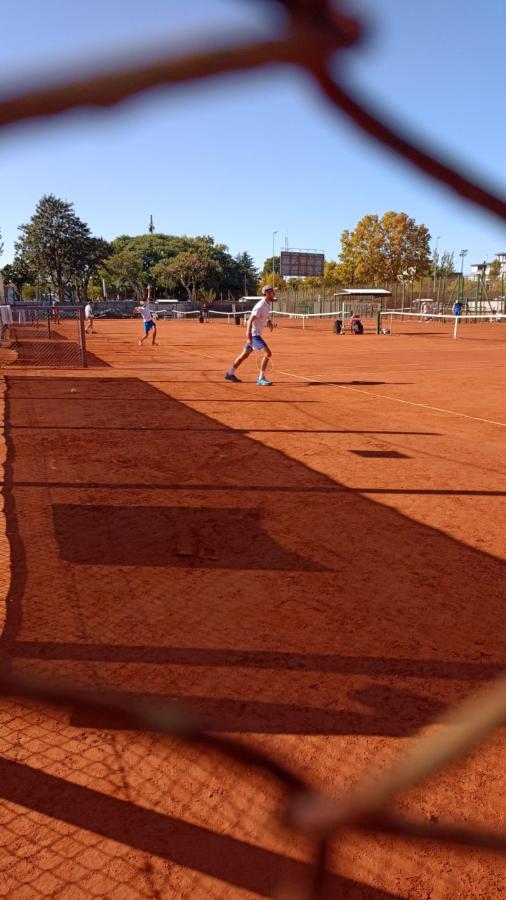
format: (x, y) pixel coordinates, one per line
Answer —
(241, 157)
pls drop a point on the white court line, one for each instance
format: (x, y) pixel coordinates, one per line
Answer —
(344, 387)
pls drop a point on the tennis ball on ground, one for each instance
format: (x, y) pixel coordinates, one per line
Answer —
(73, 391)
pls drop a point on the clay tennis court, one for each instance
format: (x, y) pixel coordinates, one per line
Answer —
(315, 568)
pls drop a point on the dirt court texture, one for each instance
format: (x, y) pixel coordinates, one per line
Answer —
(315, 568)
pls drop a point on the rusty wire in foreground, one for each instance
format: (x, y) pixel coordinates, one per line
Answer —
(315, 31)
(318, 816)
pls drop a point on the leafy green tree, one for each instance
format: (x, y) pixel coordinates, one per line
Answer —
(155, 252)
(89, 255)
(494, 269)
(445, 265)
(17, 273)
(56, 245)
(272, 265)
(377, 250)
(192, 270)
(124, 274)
(248, 273)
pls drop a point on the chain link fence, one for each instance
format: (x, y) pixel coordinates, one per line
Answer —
(43, 336)
(313, 34)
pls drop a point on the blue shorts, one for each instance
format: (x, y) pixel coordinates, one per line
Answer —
(148, 326)
(257, 343)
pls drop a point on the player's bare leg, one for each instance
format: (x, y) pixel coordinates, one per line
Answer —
(231, 376)
(262, 379)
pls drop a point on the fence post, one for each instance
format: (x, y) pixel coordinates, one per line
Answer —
(82, 338)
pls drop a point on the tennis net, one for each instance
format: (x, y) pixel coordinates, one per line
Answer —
(325, 321)
(481, 326)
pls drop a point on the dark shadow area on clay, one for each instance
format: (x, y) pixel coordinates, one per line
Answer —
(367, 551)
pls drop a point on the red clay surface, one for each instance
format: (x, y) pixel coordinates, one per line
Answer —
(316, 568)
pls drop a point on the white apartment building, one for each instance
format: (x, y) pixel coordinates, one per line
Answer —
(483, 268)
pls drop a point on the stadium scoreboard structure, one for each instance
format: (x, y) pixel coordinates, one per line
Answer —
(294, 262)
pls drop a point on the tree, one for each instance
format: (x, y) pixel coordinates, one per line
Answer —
(154, 253)
(272, 265)
(494, 269)
(89, 255)
(57, 246)
(17, 273)
(123, 272)
(248, 273)
(190, 268)
(445, 265)
(377, 250)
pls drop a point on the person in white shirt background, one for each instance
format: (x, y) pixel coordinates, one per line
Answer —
(149, 322)
(259, 318)
(88, 315)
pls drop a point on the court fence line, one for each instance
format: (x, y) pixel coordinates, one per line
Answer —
(314, 33)
(45, 335)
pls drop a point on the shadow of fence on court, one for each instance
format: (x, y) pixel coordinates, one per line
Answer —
(149, 611)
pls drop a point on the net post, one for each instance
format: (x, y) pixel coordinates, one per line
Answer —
(455, 328)
(378, 320)
(82, 339)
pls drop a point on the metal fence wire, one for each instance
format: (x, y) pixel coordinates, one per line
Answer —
(314, 32)
(46, 336)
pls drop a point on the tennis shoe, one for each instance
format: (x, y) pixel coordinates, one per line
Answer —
(263, 382)
(232, 377)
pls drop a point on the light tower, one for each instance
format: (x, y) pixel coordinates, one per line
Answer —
(460, 289)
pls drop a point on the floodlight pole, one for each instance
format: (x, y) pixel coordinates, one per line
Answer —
(273, 263)
(460, 292)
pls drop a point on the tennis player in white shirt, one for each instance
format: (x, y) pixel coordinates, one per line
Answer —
(88, 315)
(259, 318)
(149, 322)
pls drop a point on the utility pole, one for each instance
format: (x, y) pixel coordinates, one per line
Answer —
(460, 292)
(273, 263)
(151, 226)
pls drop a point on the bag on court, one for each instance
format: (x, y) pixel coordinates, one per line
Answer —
(358, 328)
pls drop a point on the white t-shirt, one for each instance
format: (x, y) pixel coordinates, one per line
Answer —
(88, 312)
(145, 312)
(262, 313)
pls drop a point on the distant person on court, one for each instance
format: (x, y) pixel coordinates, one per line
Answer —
(259, 318)
(457, 308)
(55, 311)
(149, 323)
(356, 324)
(88, 315)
